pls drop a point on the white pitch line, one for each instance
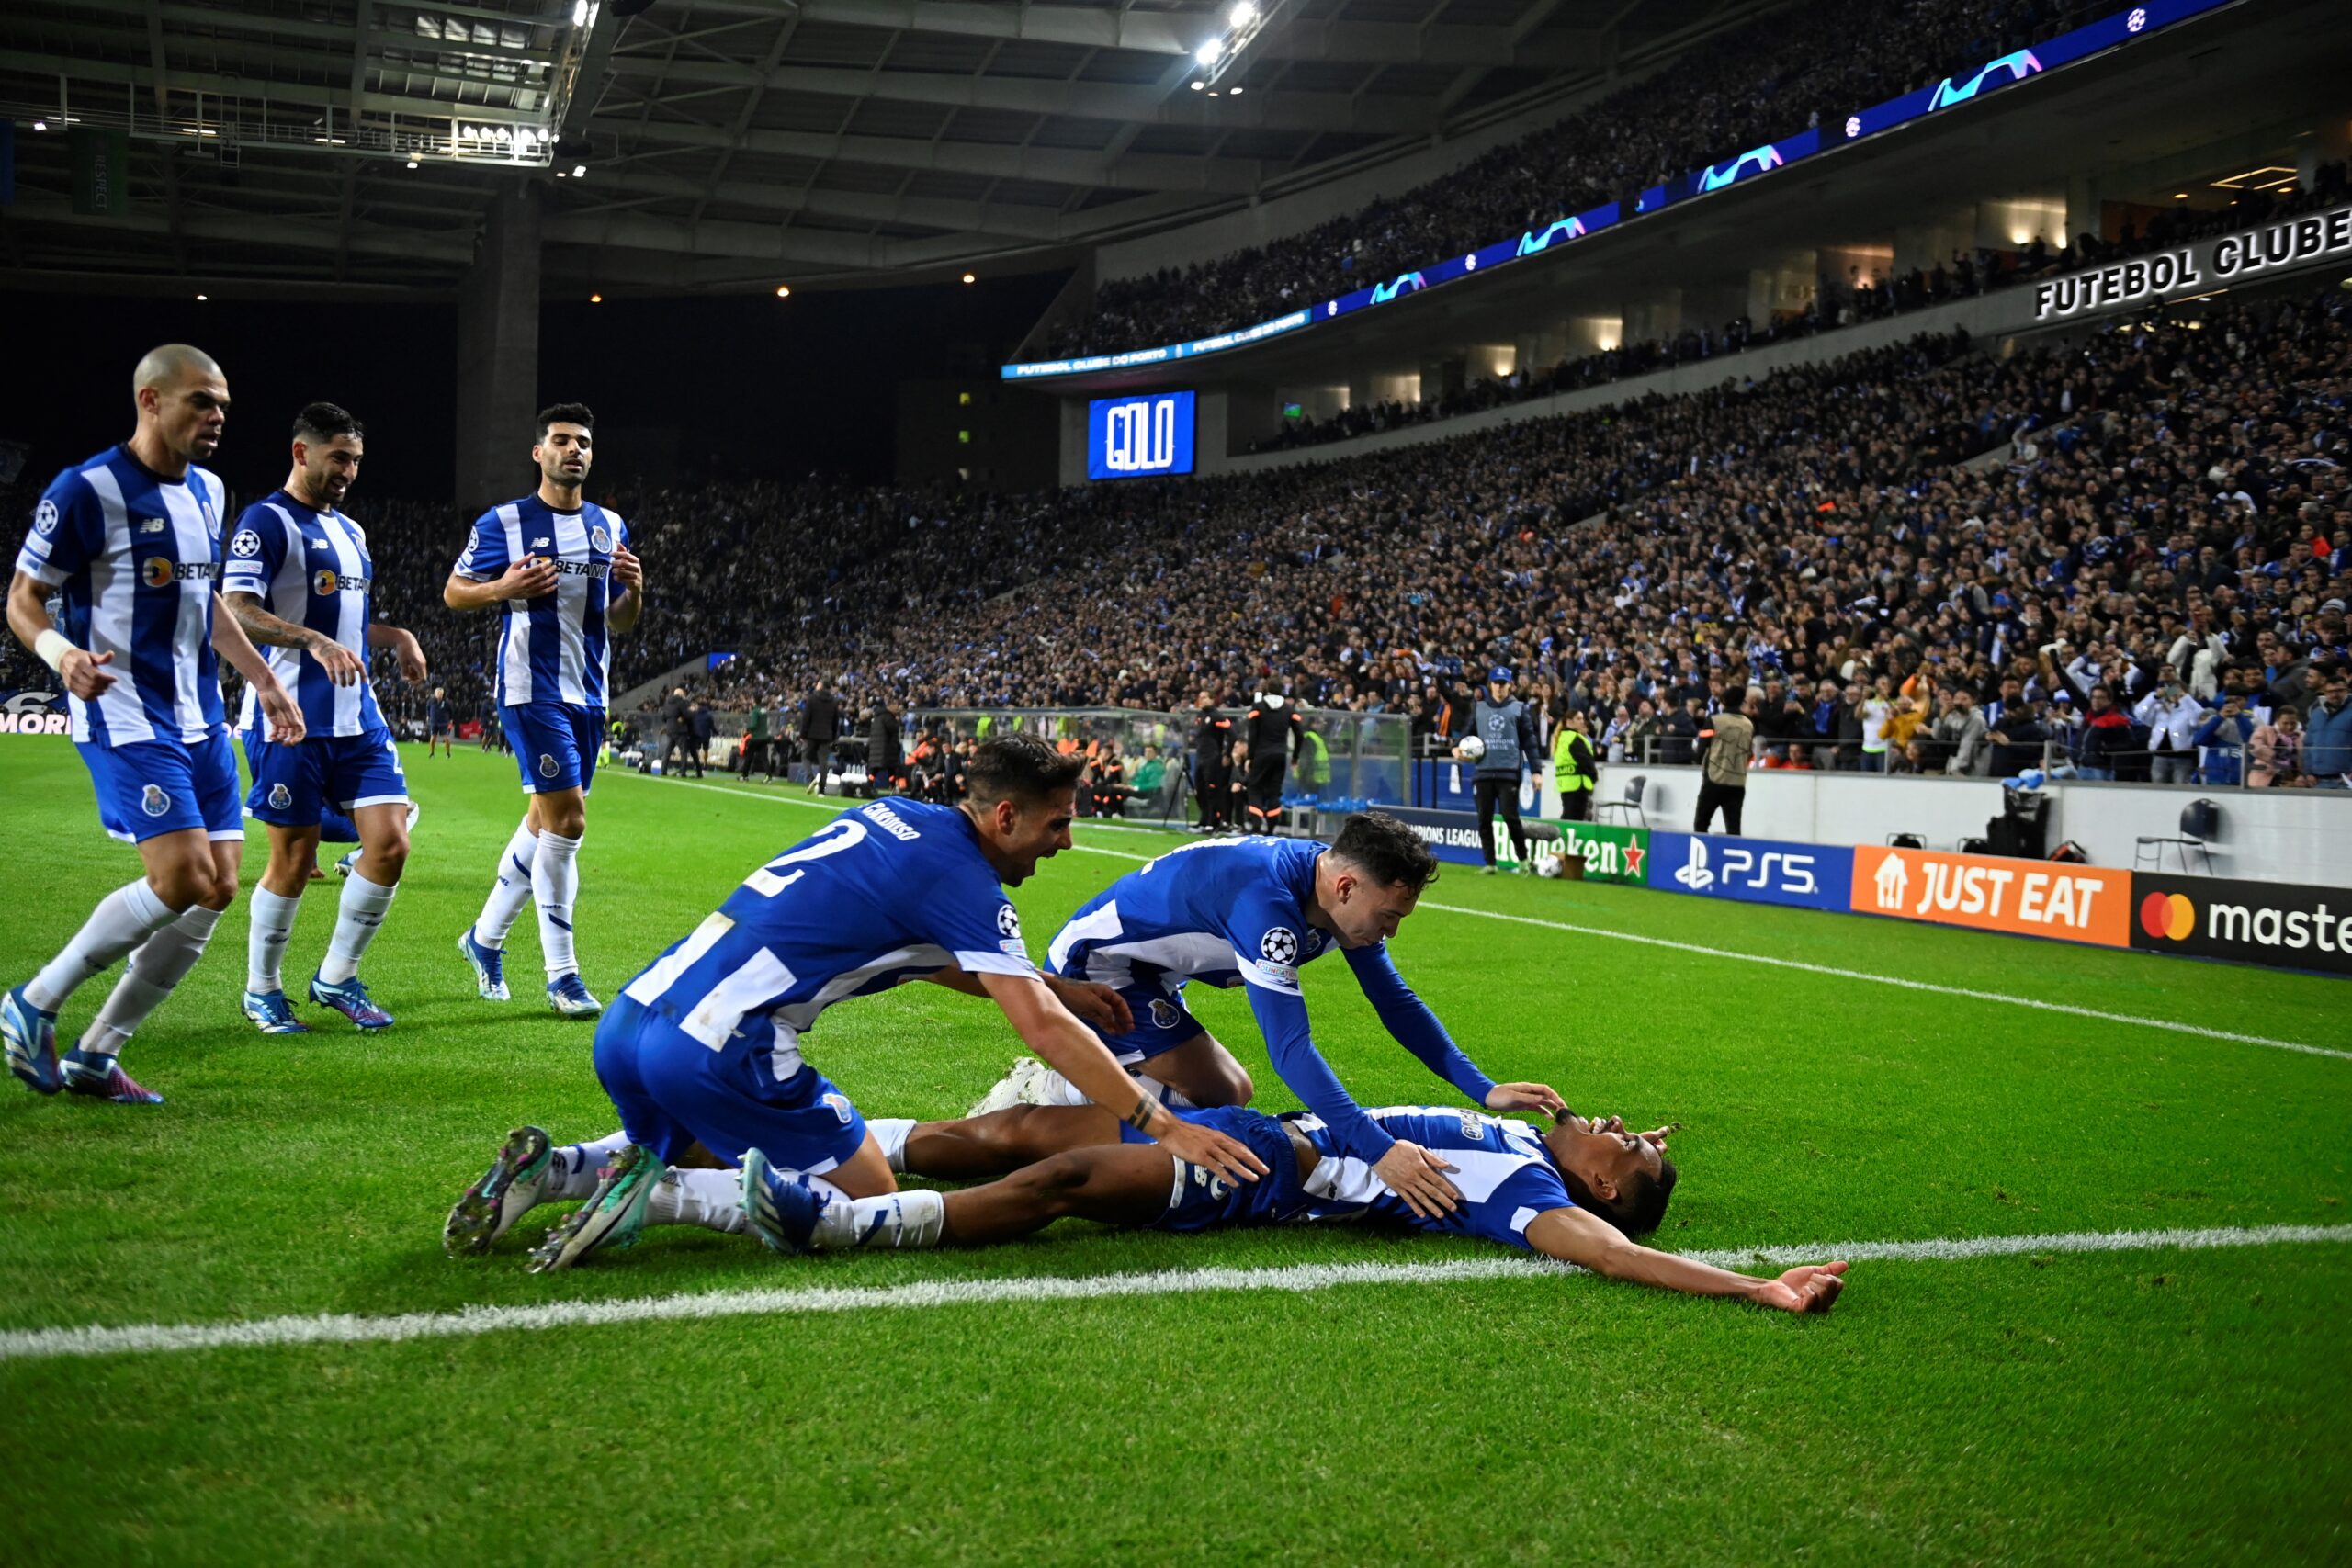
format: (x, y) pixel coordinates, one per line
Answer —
(42, 1344)
(1907, 983)
(1903, 981)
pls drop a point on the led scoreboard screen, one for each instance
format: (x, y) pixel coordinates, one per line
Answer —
(1139, 437)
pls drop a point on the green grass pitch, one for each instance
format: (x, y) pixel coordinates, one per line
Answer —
(2060, 1408)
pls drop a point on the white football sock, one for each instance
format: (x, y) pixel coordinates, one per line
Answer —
(1167, 1097)
(711, 1198)
(510, 891)
(156, 965)
(357, 915)
(555, 884)
(122, 921)
(891, 1133)
(270, 926)
(896, 1219)
(572, 1172)
(1059, 1090)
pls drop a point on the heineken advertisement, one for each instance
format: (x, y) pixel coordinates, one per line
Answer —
(1610, 852)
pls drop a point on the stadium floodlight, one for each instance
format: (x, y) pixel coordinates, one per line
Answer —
(1210, 53)
(579, 13)
(1244, 20)
(1197, 86)
(1243, 14)
(579, 171)
(784, 291)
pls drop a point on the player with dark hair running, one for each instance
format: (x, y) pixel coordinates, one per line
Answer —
(701, 1053)
(300, 580)
(129, 543)
(562, 572)
(1249, 912)
(1578, 1192)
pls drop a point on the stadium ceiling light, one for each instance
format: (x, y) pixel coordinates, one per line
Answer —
(1210, 53)
(40, 125)
(202, 298)
(969, 278)
(595, 299)
(784, 291)
(579, 171)
(412, 162)
(1243, 14)
(1234, 91)
(1197, 86)
(579, 13)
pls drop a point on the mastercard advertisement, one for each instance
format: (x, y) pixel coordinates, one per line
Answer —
(2281, 924)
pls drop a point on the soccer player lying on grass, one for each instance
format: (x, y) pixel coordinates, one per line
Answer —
(1578, 1192)
(701, 1053)
(1253, 912)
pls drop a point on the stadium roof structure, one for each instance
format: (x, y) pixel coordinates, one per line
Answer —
(722, 144)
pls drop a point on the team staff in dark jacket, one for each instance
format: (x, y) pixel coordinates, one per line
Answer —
(885, 755)
(821, 726)
(1507, 726)
(1212, 768)
(1275, 734)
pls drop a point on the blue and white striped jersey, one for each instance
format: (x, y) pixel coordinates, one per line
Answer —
(1503, 1171)
(1232, 912)
(310, 568)
(551, 648)
(137, 557)
(883, 894)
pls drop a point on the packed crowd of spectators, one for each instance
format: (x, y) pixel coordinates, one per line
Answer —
(1783, 71)
(1859, 299)
(1920, 554)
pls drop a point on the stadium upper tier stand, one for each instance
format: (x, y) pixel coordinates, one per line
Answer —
(1783, 71)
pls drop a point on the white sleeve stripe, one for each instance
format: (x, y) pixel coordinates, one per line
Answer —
(993, 963)
(40, 571)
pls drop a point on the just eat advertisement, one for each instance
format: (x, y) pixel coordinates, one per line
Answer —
(2023, 898)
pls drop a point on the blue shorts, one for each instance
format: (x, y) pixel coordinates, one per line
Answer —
(155, 788)
(292, 783)
(1162, 1023)
(1200, 1199)
(555, 743)
(673, 1091)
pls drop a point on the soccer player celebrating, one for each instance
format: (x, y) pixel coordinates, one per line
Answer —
(562, 572)
(129, 542)
(297, 582)
(1578, 1192)
(701, 1053)
(1250, 912)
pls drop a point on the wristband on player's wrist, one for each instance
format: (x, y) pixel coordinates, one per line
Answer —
(52, 645)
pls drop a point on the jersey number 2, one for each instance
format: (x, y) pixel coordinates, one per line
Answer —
(846, 833)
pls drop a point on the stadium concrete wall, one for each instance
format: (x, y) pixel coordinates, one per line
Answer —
(2284, 834)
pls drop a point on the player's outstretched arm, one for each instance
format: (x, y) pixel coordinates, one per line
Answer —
(1095, 1004)
(83, 673)
(1070, 1048)
(228, 640)
(1585, 1239)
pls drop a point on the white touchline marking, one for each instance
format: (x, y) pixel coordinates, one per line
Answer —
(38, 1344)
(1905, 982)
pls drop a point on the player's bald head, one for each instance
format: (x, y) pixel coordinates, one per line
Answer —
(166, 365)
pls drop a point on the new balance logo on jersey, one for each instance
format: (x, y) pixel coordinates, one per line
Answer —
(541, 543)
(152, 524)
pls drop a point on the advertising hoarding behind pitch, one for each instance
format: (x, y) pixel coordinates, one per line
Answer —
(2023, 898)
(1754, 871)
(2278, 924)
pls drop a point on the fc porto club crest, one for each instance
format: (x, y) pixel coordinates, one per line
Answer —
(1279, 946)
(154, 802)
(1163, 1013)
(547, 768)
(280, 798)
(599, 540)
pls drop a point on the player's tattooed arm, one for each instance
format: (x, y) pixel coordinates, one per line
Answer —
(343, 666)
(230, 641)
